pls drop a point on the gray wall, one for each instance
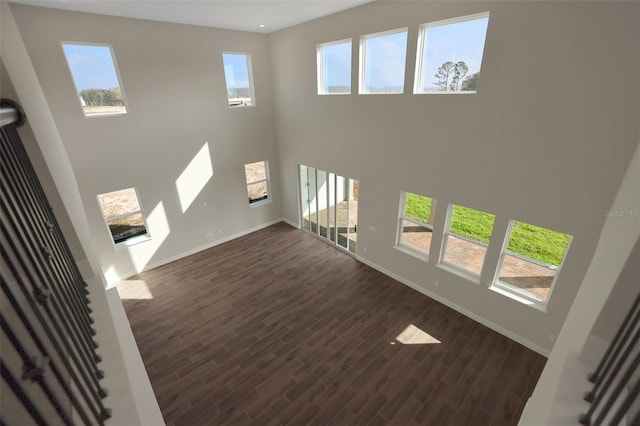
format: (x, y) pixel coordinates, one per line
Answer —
(173, 79)
(624, 293)
(546, 139)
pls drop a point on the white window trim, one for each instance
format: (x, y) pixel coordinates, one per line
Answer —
(363, 55)
(422, 38)
(320, 62)
(455, 269)
(129, 241)
(471, 240)
(517, 293)
(528, 259)
(266, 179)
(465, 273)
(133, 240)
(250, 74)
(115, 66)
(422, 255)
(518, 298)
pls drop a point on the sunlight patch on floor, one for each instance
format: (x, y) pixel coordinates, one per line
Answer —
(134, 290)
(412, 335)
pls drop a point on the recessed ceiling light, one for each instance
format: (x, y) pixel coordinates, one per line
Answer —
(261, 25)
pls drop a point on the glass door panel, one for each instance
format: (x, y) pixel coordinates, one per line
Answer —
(331, 209)
(308, 198)
(342, 212)
(313, 200)
(323, 204)
(304, 197)
(354, 189)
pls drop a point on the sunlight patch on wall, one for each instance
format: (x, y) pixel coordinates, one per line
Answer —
(111, 275)
(159, 229)
(412, 335)
(134, 290)
(194, 177)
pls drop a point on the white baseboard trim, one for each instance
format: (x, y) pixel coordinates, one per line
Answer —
(457, 308)
(201, 248)
(290, 222)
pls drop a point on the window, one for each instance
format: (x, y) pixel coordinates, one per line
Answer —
(123, 215)
(334, 68)
(382, 62)
(95, 76)
(415, 226)
(466, 239)
(531, 260)
(237, 74)
(450, 54)
(257, 175)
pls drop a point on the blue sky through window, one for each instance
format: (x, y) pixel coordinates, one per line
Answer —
(91, 66)
(336, 67)
(385, 58)
(458, 41)
(236, 70)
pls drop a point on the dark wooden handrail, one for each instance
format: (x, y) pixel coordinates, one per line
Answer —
(49, 357)
(613, 375)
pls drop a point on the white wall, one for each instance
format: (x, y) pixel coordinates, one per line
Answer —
(44, 176)
(30, 95)
(614, 263)
(131, 398)
(545, 140)
(173, 80)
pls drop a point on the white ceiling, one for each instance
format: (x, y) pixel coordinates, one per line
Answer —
(245, 15)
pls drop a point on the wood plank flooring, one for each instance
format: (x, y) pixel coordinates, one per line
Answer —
(278, 327)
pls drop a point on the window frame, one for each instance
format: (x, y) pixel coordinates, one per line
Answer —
(465, 273)
(114, 62)
(267, 179)
(420, 57)
(320, 66)
(424, 255)
(363, 57)
(249, 62)
(132, 240)
(513, 291)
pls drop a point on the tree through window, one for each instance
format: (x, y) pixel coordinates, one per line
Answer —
(95, 76)
(450, 54)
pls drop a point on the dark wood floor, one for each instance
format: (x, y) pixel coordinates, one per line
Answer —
(277, 327)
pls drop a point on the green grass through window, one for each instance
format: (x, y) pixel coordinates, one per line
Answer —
(537, 243)
(541, 244)
(417, 207)
(472, 223)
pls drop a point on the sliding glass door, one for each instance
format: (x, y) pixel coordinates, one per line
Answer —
(329, 206)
